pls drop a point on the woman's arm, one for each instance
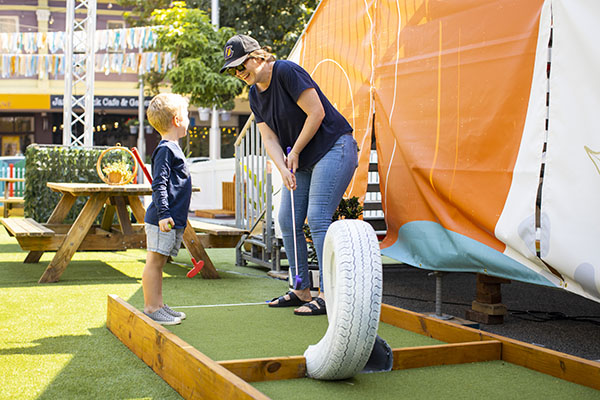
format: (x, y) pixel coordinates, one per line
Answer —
(310, 103)
(271, 142)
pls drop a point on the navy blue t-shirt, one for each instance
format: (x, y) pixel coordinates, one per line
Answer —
(171, 185)
(277, 107)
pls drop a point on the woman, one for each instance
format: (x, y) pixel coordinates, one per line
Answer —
(291, 111)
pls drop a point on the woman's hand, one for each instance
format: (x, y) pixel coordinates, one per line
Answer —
(166, 224)
(289, 179)
(292, 161)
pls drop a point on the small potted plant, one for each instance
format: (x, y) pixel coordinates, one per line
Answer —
(147, 127)
(133, 125)
(117, 172)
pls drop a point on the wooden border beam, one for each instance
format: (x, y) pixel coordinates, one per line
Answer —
(554, 363)
(447, 354)
(185, 369)
(267, 369)
(278, 368)
(194, 375)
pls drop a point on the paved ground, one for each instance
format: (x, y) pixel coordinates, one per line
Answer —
(412, 289)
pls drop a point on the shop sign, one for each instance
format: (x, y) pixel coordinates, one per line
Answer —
(24, 101)
(105, 102)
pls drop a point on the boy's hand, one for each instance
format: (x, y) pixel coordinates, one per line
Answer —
(165, 225)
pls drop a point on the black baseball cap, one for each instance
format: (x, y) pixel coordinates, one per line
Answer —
(237, 50)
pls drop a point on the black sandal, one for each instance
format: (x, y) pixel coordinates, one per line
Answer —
(318, 309)
(293, 301)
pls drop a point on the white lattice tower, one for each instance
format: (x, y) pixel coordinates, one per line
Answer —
(80, 52)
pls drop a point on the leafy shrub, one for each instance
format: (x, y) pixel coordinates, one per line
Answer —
(347, 209)
(56, 164)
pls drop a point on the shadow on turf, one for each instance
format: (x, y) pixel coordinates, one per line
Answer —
(15, 273)
(100, 367)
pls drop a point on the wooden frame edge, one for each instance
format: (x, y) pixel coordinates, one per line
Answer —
(564, 366)
(190, 372)
(279, 368)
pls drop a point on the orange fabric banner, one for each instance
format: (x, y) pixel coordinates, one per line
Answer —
(452, 88)
(336, 51)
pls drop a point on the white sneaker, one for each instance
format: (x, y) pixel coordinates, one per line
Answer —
(164, 318)
(174, 313)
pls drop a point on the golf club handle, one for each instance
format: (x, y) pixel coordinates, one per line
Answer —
(289, 150)
(135, 152)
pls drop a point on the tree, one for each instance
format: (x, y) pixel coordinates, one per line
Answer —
(198, 52)
(277, 23)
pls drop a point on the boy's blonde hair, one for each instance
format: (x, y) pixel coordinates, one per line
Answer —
(163, 107)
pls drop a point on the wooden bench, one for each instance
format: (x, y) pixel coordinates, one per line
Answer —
(19, 227)
(8, 201)
(217, 236)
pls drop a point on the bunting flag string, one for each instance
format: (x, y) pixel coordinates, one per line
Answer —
(46, 65)
(106, 39)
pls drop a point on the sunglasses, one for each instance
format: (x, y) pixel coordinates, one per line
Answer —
(233, 70)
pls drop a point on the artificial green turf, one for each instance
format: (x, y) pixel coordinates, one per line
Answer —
(228, 333)
(54, 343)
(490, 380)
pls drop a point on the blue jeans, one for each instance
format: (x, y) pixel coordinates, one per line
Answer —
(319, 190)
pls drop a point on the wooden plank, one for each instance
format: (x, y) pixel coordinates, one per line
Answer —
(216, 213)
(58, 215)
(137, 208)
(447, 354)
(560, 365)
(122, 214)
(12, 200)
(107, 217)
(64, 228)
(13, 180)
(191, 373)
(87, 189)
(93, 241)
(61, 210)
(267, 369)
(215, 229)
(428, 326)
(194, 246)
(228, 195)
(278, 368)
(26, 227)
(74, 238)
(218, 242)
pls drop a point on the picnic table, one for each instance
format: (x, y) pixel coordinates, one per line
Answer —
(66, 239)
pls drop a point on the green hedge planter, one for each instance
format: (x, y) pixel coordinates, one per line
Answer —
(56, 164)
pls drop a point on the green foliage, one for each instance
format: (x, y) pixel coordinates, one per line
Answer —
(56, 164)
(348, 208)
(198, 51)
(276, 23)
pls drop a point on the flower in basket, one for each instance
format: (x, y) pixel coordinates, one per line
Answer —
(132, 122)
(117, 172)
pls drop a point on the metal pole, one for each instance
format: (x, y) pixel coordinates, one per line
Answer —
(215, 131)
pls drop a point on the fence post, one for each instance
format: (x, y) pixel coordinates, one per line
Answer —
(11, 174)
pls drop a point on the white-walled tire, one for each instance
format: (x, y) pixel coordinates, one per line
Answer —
(352, 283)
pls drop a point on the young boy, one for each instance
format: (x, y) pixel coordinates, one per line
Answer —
(166, 217)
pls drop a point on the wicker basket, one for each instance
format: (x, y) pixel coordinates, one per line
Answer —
(116, 177)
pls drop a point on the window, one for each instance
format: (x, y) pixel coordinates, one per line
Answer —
(9, 23)
(115, 24)
(21, 124)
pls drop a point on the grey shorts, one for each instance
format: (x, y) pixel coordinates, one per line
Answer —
(165, 243)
